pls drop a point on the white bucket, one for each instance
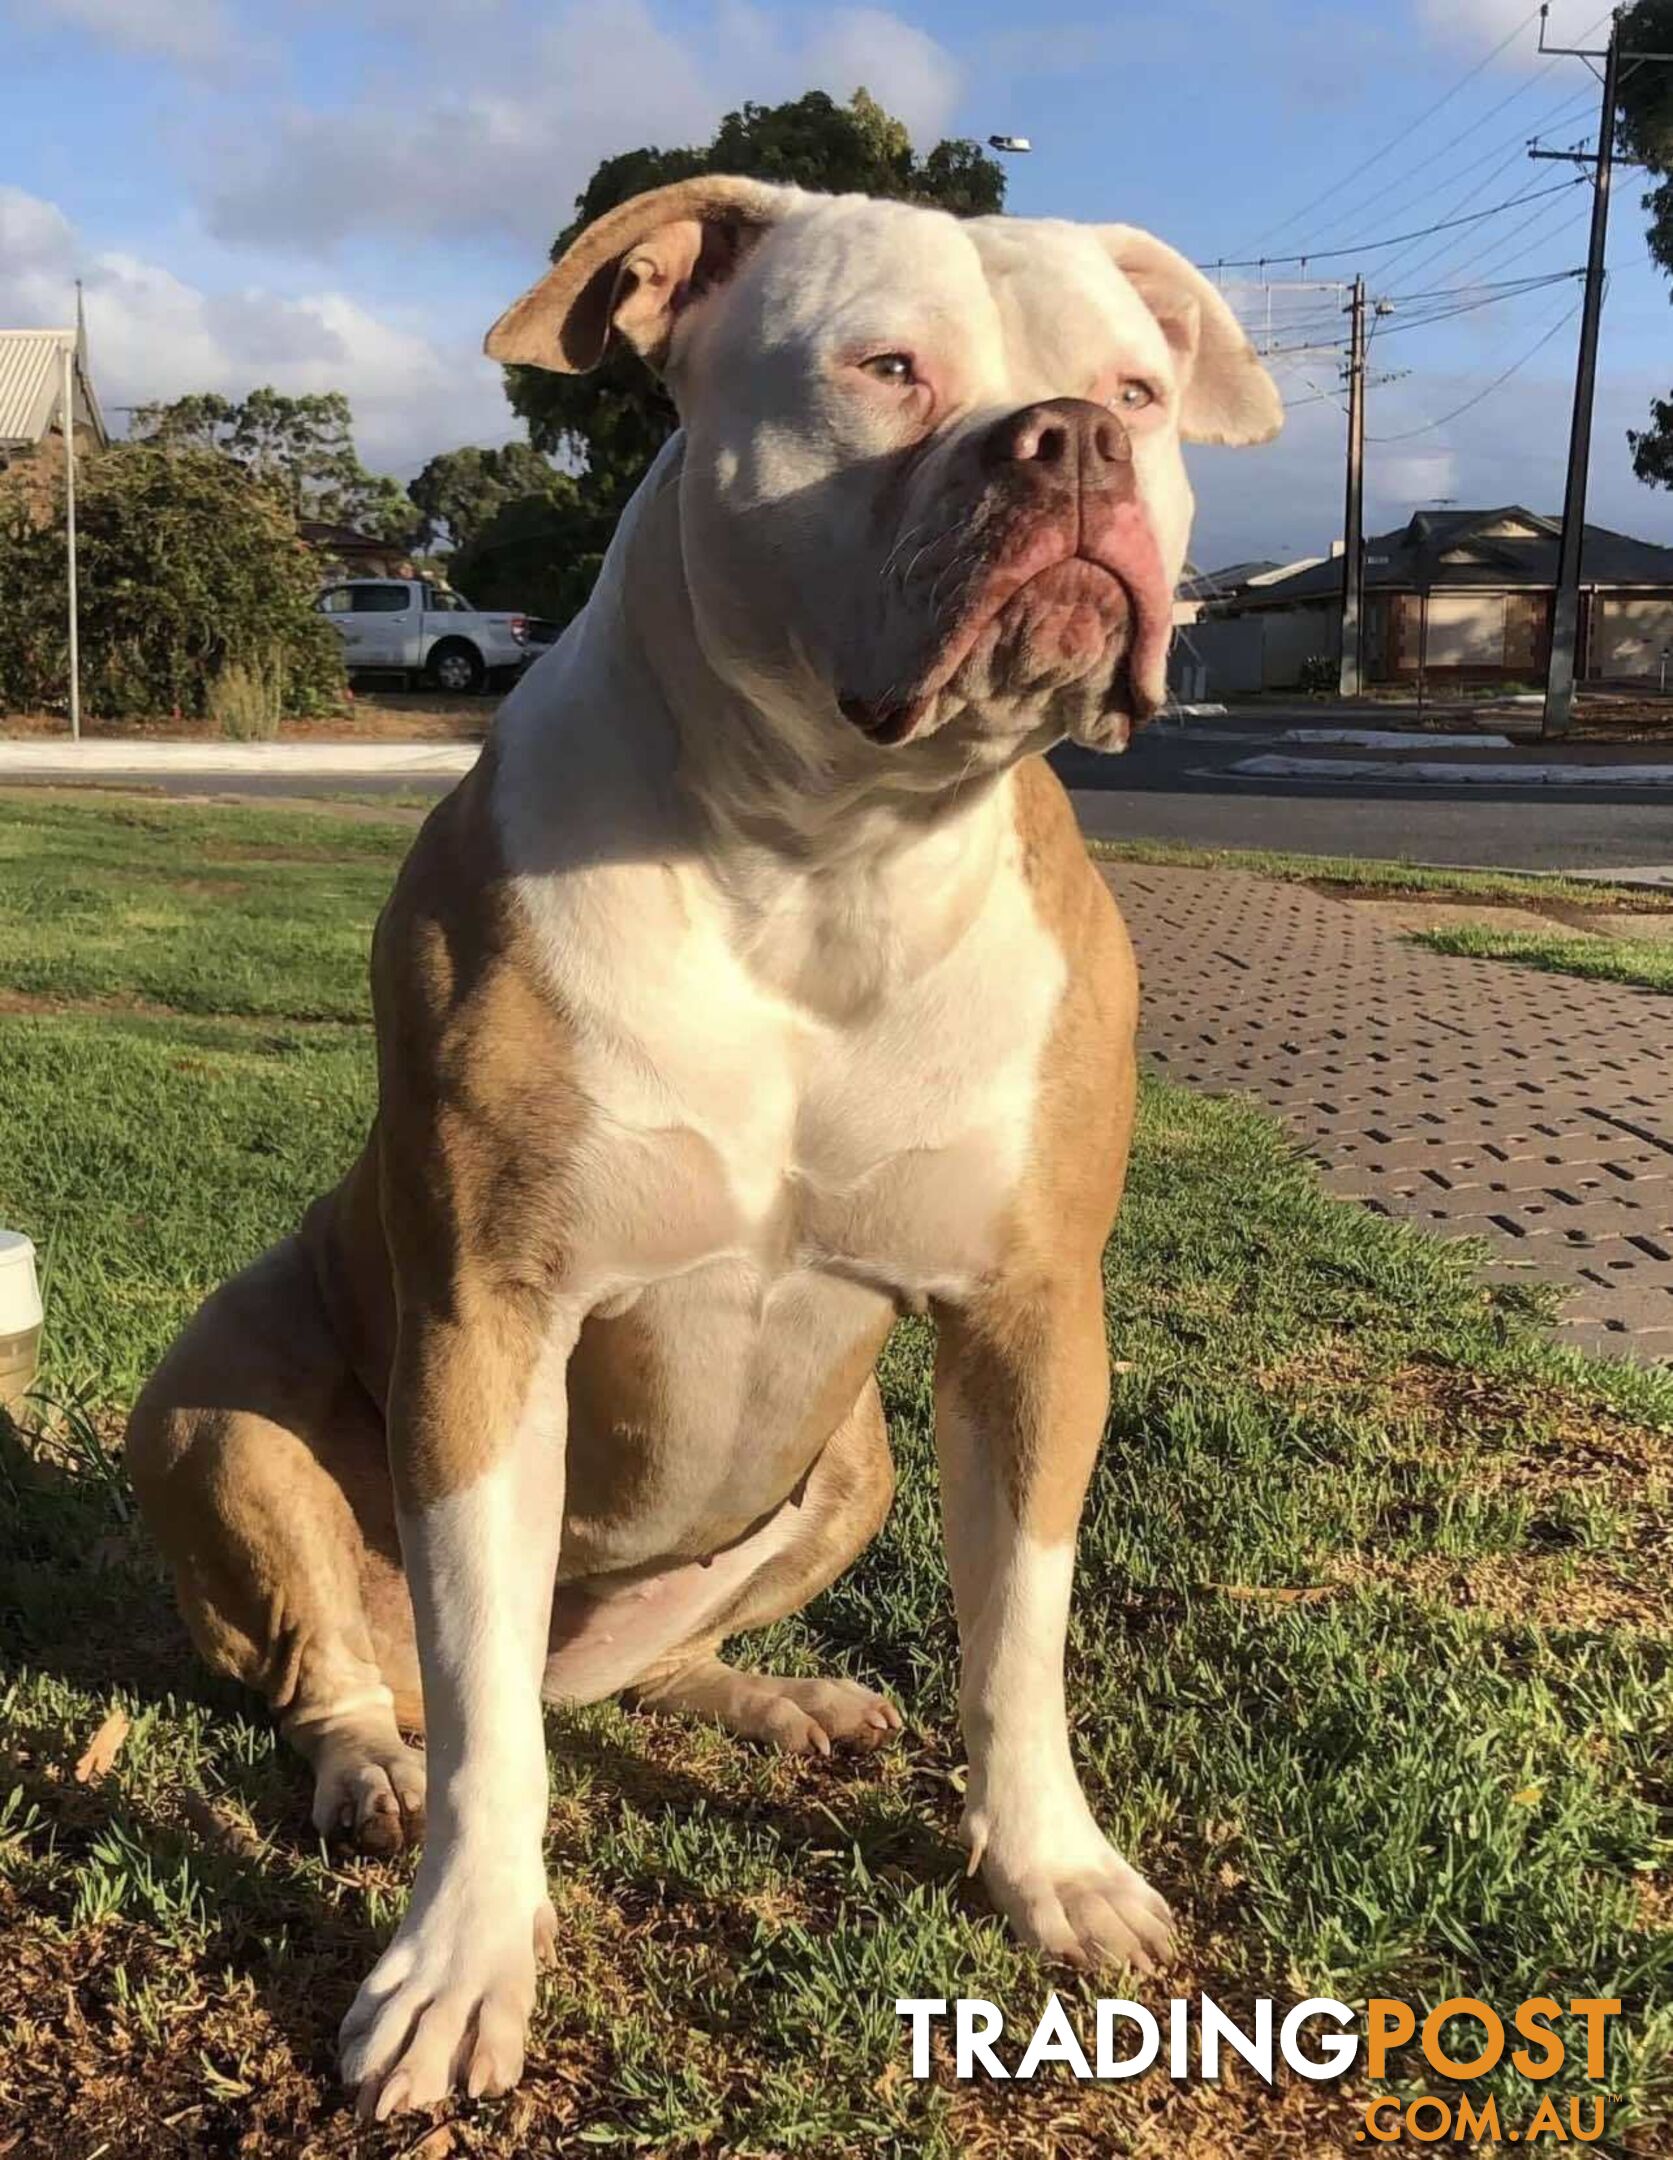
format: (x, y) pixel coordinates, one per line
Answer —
(20, 1317)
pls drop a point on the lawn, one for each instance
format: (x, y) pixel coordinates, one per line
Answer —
(1370, 1670)
(1396, 879)
(1644, 962)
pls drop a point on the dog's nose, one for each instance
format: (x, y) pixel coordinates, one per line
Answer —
(1081, 439)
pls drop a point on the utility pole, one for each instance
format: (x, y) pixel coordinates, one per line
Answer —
(1565, 612)
(1349, 680)
(69, 395)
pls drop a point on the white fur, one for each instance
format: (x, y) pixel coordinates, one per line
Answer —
(481, 1563)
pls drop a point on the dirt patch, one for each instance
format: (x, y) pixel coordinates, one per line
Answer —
(1403, 916)
(1404, 913)
(349, 807)
(24, 1004)
(1553, 1590)
(367, 716)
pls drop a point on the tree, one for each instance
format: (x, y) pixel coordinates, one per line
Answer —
(190, 565)
(460, 491)
(612, 422)
(539, 552)
(1646, 133)
(302, 447)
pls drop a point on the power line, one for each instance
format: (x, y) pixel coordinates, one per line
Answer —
(1516, 366)
(1462, 202)
(1366, 247)
(1512, 289)
(1398, 141)
(1434, 156)
(1507, 148)
(1463, 257)
(1499, 257)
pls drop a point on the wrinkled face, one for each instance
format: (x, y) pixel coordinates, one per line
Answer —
(935, 467)
(932, 488)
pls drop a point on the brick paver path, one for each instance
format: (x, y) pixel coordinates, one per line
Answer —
(1467, 1095)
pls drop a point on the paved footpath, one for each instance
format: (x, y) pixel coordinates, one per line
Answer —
(1469, 1096)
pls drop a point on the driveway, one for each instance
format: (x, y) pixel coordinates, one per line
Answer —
(1467, 1096)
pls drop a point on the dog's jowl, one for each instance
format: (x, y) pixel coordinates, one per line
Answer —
(754, 988)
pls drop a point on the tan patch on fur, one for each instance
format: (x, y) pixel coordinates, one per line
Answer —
(260, 1450)
(1027, 1358)
(631, 270)
(626, 1416)
(478, 1121)
(258, 1460)
(844, 1500)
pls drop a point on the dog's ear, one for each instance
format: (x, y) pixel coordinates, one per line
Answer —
(1227, 395)
(636, 270)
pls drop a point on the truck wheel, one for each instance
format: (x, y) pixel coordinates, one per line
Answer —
(456, 667)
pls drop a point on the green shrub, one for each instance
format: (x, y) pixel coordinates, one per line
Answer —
(189, 566)
(1319, 675)
(247, 699)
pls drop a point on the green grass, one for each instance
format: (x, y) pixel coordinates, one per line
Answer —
(1645, 962)
(258, 913)
(1445, 1767)
(1433, 882)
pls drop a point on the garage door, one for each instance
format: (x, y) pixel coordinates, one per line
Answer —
(1466, 630)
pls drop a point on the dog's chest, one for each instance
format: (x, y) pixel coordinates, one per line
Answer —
(735, 1126)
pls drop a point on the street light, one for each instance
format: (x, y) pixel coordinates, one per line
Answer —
(1012, 145)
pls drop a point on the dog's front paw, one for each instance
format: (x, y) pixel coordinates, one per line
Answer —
(448, 2003)
(1073, 1896)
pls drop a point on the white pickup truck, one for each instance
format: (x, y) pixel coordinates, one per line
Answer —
(415, 626)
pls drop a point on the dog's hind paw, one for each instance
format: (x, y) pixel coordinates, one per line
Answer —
(370, 1793)
(798, 1716)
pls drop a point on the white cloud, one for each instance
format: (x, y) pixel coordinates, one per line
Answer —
(1404, 481)
(506, 155)
(195, 33)
(1478, 25)
(33, 233)
(153, 336)
(900, 65)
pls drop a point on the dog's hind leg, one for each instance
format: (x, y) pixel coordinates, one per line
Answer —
(838, 1513)
(259, 1461)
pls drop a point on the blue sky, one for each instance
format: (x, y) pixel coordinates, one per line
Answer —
(344, 193)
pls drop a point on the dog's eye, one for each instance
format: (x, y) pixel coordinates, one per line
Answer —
(894, 368)
(1133, 397)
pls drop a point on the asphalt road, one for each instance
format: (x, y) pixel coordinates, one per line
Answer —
(1175, 784)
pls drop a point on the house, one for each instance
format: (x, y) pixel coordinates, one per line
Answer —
(344, 550)
(1217, 650)
(1197, 587)
(1455, 597)
(32, 392)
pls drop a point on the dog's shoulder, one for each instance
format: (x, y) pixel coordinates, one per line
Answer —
(1084, 1104)
(1071, 899)
(477, 1096)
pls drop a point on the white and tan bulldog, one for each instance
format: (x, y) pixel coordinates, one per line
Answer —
(755, 988)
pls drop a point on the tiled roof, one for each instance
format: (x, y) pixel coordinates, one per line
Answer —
(1461, 549)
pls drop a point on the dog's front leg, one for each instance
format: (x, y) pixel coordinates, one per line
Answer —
(1022, 1390)
(477, 1432)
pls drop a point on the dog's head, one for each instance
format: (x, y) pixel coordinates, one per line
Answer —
(932, 480)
